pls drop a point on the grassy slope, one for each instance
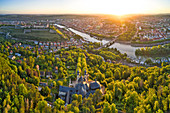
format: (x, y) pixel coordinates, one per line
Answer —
(38, 35)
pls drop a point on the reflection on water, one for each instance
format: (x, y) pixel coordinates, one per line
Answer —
(123, 48)
(60, 26)
(130, 51)
(85, 36)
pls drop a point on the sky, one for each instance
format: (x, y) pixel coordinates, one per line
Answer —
(115, 7)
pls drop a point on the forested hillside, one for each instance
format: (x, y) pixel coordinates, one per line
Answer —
(127, 89)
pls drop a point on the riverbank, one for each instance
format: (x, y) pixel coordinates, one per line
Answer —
(143, 45)
(132, 44)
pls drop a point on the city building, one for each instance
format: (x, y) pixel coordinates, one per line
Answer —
(81, 86)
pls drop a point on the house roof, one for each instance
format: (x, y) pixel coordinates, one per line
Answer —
(43, 84)
(66, 89)
(49, 73)
(80, 79)
(81, 89)
(94, 85)
(11, 56)
(42, 72)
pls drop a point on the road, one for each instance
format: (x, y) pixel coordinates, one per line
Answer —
(110, 42)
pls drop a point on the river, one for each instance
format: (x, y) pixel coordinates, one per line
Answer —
(123, 48)
(85, 36)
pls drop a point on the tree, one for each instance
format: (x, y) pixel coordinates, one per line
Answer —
(109, 74)
(158, 58)
(14, 68)
(42, 106)
(106, 108)
(75, 109)
(148, 61)
(59, 104)
(85, 109)
(80, 99)
(31, 61)
(16, 101)
(45, 91)
(5, 110)
(159, 111)
(54, 84)
(74, 104)
(22, 89)
(22, 104)
(117, 73)
(131, 100)
(14, 110)
(97, 96)
(59, 83)
(156, 106)
(92, 109)
(36, 81)
(163, 64)
(113, 108)
(75, 97)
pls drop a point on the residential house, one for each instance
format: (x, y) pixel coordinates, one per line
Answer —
(17, 54)
(36, 42)
(58, 43)
(46, 47)
(55, 43)
(37, 66)
(48, 43)
(56, 69)
(58, 47)
(42, 74)
(108, 60)
(33, 52)
(51, 43)
(50, 51)
(27, 31)
(44, 43)
(11, 57)
(52, 31)
(38, 26)
(57, 56)
(19, 61)
(49, 74)
(43, 84)
(11, 52)
(39, 88)
(40, 43)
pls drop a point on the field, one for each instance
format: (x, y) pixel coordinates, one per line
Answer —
(35, 35)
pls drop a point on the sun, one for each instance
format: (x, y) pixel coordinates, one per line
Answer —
(122, 7)
(117, 7)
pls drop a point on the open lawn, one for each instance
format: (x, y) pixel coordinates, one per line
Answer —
(54, 90)
(35, 35)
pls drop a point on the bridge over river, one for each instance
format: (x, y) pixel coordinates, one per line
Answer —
(107, 44)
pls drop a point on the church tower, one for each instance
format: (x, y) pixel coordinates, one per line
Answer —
(85, 75)
(78, 75)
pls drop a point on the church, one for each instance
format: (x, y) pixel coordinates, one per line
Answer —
(81, 86)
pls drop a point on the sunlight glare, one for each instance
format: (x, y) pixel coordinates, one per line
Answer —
(118, 7)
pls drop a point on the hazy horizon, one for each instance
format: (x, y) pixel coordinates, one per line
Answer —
(86, 14)
(113, 7)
